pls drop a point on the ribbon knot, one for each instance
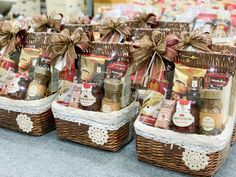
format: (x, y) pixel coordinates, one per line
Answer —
(200, 41)
(11, 36)
(114, 30)
(145, 20)
(44, 22)
(64, 45)
(153, 49)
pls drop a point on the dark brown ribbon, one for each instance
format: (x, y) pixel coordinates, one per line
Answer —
(64, 43)
(200, 41)
(156, 47)
(45, 22)
(145, 20)
(11, 36)
(111, 29)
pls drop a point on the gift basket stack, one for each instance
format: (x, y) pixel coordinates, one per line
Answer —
(97, 108)
(27, 82)
(185, 123)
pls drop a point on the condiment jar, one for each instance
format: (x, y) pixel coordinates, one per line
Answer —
(111, 101)
(211, 119)
(18, 87)
(91, 97)
(37, 88)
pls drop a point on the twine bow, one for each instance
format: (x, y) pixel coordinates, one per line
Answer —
(64, 44)
(78, 20)
(145, 20)
(45, 22)
(114, 30)
(11, 37)
(196, 40)
(156, 47)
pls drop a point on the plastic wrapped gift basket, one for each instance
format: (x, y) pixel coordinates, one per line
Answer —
(106, 131)
(193, 154)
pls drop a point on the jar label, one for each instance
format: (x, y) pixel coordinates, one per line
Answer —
(33, 91)
(208, 123)
(106, 108)
(183, 119)
(86, 96)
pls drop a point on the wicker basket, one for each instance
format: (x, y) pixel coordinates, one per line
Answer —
(30, 117)
(105, 131)
(138, 33)
(193, 154)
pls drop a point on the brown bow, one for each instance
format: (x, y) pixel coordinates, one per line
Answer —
(145, 20)
(149, 48)
(64, 43)
(11, 36)
(114, 30)
(196, 40)
(78, 20)
(45, 22)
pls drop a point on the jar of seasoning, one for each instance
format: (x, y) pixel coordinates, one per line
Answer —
(18, 87)
(211, 119)
(111, 101)
(91, 97)
(183, 120)
(37, 88)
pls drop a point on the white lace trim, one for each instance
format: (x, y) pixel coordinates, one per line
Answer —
(106, 121)
(194, 142)
(30, 107)
(24, 122)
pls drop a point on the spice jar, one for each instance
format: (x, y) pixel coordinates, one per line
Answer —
(91, 97)
(37, 88)
(18, 87)
(211, 119)
(111, 101)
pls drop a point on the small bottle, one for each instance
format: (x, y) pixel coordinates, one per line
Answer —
(37, 88)
(193, 95)
(111, 101)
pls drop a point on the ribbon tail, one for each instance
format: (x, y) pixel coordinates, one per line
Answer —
(106, 37)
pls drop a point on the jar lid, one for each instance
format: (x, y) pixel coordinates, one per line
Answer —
(42, 70)
(211, 94)
(113, 84)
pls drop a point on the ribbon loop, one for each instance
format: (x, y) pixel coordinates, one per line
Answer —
(145, 20)
(64, 44)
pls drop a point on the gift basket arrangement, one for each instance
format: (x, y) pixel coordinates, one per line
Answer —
(27, 81)
(185, 123)
(96, 108)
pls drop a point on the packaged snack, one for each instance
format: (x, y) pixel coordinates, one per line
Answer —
(215, 81)
(166, 113)
(151, 108)
(183, 120)
(182, 79)
(75, 97)
(93, 68)
(211, 120)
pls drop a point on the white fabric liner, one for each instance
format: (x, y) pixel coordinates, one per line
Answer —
(106, 121)
(29, 107)
(195, 142)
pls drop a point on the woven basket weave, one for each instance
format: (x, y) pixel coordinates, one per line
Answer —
(160, 154)
(79, 133)
(233, 140)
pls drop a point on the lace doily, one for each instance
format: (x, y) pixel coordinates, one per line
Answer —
(195, 142)
(195, 160)
(24, 122)
(107, 121)
(29, 107)
(98, 136)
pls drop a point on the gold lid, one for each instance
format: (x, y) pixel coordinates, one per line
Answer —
(113, 84)
(211, 94)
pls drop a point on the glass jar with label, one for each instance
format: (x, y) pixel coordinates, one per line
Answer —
(211, 119)
(111, 101)
(91, 97)
(37, 88)
(18, 87)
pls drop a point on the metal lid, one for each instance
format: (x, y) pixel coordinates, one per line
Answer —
(113, 84)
